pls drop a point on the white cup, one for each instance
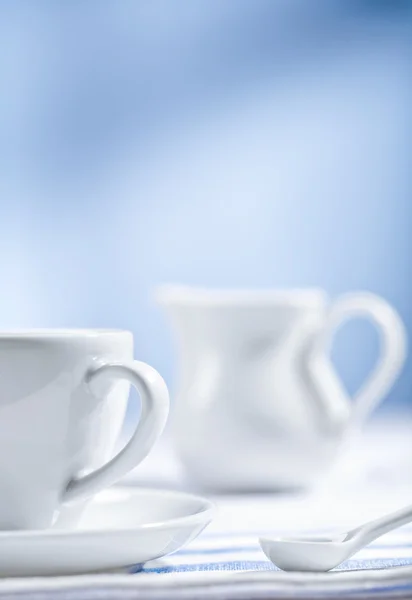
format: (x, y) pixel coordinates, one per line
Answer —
(63, 396)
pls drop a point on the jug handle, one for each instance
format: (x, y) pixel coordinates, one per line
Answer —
(393, 346)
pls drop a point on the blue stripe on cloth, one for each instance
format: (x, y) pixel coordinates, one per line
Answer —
(265, 565)
(235, 565)
(373, 591)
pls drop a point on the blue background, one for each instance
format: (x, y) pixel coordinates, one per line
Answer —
(237, 143)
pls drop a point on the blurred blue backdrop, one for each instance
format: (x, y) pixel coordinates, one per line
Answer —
(239, 143)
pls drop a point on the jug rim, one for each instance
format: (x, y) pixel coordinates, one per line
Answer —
(169, 294)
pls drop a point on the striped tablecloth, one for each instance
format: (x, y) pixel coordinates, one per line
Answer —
(226, 562)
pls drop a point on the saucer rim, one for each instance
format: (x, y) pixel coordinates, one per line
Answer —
(205, 513)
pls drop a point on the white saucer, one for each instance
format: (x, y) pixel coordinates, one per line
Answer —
(121, 527)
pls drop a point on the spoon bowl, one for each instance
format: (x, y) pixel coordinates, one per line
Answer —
(306, 554)
(323, 553)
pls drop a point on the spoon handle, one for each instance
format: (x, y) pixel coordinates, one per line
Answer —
(374, 529)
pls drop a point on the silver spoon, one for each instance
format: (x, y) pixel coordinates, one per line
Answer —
(321, 553)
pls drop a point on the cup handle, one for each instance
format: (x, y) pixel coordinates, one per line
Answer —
(155, 408)
(392, 354)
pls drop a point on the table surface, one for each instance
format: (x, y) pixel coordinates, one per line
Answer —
(380, 457)
(374, 477)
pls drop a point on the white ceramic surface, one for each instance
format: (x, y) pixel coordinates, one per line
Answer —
(325, 553)
(259, 405)
(63, 396)
(120, 527)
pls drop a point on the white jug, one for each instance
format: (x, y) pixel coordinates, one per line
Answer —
(259, 405)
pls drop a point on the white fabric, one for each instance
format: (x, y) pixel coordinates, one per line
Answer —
(226, 560)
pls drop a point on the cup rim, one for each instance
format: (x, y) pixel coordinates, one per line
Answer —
(53, 333)
(170, 294)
